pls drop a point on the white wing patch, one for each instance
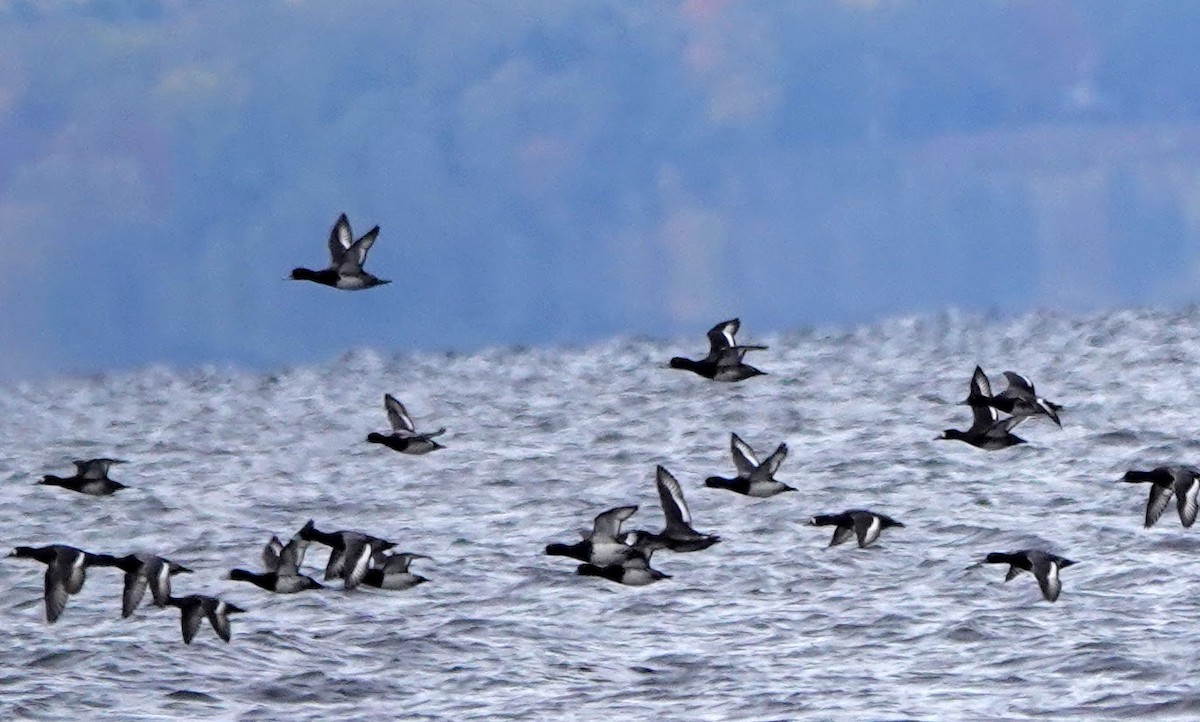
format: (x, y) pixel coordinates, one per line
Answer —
(744, 457)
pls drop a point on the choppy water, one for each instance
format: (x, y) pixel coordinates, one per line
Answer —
(769, 624)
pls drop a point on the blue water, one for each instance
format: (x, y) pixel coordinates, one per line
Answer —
(768, 624)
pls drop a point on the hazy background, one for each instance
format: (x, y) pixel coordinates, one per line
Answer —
(558, 171)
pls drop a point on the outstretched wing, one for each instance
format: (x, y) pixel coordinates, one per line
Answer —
(1159, 497)
(397, 415)
(675, 509)
(771, 465)
(55, 595)
(291, 557)
(1018, 386)
(134, 590)
(744, 457)
(722, 336)
(218, 619)
(1046, 571)
(356, 255)
(841, 534)
(980, 386)
(398, 563)
(607, 525)
(340, 240)
(270, 554)
(189, 621)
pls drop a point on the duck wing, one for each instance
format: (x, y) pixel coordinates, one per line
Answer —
(744, 458)
(398, 416)
(607, 525)
(675, 509)
(340, 240)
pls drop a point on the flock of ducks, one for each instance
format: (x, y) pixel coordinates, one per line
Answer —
(357, 558)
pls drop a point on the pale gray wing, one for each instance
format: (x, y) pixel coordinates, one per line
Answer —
(731, 356)
(1012, 573)
(270, 554)
(340, 240)
(1186, 488)
(607, 525)
(219, 619)
(744, 457)
(95, 468)
(398, 563)
(771, 465)
(292, 556)
(675, 509)
(841, 534)
(71, 569)
(1046, 571)
(55, 595)
(356, 255)
(1018, 386)
(397, 415)
(190, 615)
(337, 561)
(134, 590)
(980, 386)
(1159, 497)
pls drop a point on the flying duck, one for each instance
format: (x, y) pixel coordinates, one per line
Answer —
(866, 525)
(347, 256)
(404, 437)
(91, 478)
(194, 607)
(282, 564)
(987, 430)
(351, 555)
(390, 571)
(1044, 565)
(1019, 398)
(724, 359)
(634, 572)
(1181, 481)
(753, 478)
(66, 571)
(678, 534)
(146, 570)
(603, 546)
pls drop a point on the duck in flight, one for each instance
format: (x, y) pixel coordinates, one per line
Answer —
(195, 607)
(1183, 482)
(390, 571)
(987, 430)
(282, 564)
(347, 256)
(146, 570)
(724, 359)
(864, 524)
(91, 478)
(351, 553)
(66, 571)
(604, 546)
(1019, 398)
(1044, 565)
(753, 478)
(634, 572)
(404, 437)
(678, 534)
